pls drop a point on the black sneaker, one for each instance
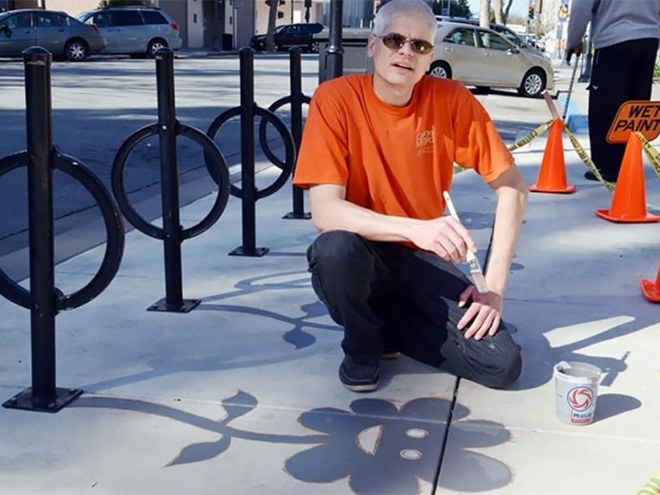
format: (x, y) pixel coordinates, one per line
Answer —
(589, 175)
(359, 375)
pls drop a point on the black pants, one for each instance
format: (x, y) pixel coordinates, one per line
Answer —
(388, 296)
(620, 73)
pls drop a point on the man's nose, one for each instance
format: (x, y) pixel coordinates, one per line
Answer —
(406, 48)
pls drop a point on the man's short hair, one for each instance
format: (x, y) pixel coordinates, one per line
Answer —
(395, 8)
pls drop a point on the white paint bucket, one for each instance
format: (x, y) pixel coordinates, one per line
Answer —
(576, 386)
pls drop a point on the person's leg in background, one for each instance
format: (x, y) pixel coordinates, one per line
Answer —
(641, 84)
(611, 74)
(427, 320)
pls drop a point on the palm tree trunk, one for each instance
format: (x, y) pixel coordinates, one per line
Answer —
(484, 17)
(272, 20)
(497, 7)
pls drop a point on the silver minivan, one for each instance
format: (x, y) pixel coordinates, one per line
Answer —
(134, 30)
(57, 32)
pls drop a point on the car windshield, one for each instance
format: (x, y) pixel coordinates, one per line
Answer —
(83, 17)
(4, 15)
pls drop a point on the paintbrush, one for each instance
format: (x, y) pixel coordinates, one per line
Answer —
(470, 258)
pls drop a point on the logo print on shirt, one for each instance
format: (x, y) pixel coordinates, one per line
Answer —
(425, 140)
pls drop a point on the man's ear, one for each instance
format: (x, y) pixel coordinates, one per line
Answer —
(431, 58)
(371, 45)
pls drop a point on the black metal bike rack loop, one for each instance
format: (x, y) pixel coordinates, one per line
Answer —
(248, 193)
(172, 233)
(43, 299)
(296, 99)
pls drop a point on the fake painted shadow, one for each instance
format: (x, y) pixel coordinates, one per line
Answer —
(377, 446)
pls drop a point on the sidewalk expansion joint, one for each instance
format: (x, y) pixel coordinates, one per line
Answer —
(443, 449)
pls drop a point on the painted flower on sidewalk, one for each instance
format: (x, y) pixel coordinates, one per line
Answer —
(384, 449)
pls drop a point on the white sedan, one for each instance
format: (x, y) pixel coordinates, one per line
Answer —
(481, 57)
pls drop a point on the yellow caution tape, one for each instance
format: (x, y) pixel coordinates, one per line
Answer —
(652, 154)
(531, 136)
(587, 161)
(652, 486)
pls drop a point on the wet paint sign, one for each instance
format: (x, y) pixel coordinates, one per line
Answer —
(634, 116)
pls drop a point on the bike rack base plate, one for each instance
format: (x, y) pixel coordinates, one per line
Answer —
(255, 253)
(186, 306)
(26, 401)
(292, 215)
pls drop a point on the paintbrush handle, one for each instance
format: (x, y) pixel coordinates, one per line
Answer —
(470, 257)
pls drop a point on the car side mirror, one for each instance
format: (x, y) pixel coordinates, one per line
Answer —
(513, 50)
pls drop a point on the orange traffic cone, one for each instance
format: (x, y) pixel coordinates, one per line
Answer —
(552, 175)
(650, 289)
(629, 200)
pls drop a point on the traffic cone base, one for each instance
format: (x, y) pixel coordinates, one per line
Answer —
(606, 215)
(569, 188)
(650, 290)
(629, 198)
(552, 174)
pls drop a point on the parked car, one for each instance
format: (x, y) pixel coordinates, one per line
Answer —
(135, 30)
(524, 42)
(57, 32)
(289, 35)
(481, 57)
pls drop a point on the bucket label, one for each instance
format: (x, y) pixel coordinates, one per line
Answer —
(581, 401)
(580, 398)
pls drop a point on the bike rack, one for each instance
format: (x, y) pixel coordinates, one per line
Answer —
(248, 193)
(43, 299)
(296, 99)
(172, 233)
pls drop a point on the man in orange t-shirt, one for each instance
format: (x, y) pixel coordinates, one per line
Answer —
(377, 154)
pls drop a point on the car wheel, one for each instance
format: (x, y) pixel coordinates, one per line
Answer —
(532, 84)
(154, 46)
(440, 69)
(314, 47)
(75, 50)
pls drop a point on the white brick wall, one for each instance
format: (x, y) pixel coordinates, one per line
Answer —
(72, 7)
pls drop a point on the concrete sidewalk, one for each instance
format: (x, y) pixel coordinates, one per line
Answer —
(241, 395)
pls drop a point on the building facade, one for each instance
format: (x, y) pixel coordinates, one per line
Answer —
(223, 24)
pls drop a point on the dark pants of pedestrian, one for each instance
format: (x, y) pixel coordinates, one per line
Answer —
(389, 297)
(620, 73)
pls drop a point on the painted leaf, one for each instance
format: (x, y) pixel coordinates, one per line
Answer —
(198, 452)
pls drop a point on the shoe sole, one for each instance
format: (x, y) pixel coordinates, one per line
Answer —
(369, 387)
(356, 386)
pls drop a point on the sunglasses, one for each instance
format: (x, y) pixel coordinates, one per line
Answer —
(395, 41)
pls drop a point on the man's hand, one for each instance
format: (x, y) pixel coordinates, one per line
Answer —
(443, 236)
(574, 50)
(484, 314)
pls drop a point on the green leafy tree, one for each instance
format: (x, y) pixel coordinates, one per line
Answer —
(457, 8)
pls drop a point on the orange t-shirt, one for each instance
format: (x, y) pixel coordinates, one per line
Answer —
(397, 160)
